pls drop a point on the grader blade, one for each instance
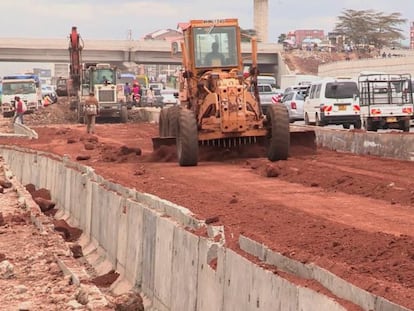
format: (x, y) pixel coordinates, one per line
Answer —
(302, 137)
(157, 142)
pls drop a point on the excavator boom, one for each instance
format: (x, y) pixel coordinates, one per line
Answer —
(75, 52)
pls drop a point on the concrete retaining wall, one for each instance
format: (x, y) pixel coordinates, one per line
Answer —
(333, 283)
(403, 64)
(147, 240)
(388, 145)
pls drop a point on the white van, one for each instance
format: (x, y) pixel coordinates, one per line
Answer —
(333, 101)
(267, 80)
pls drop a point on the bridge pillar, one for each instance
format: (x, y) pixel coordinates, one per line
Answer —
(261, 13)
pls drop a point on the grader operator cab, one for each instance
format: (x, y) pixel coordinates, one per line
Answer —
(217, 104)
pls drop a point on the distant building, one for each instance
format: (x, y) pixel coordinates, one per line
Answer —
(163, 34)
(161, 72)
(45, 75)
(61, 70)
(299, 35)
(412, 35)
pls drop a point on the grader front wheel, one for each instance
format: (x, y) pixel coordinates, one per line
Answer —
(278, 133)
(187, 138)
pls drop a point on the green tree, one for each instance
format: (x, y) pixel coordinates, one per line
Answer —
(246, 34)
(368, 27)
(281, 38)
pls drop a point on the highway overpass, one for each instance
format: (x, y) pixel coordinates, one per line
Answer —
(120, 52)
(115, 51)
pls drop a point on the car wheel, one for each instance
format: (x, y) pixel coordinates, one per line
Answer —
(307, 119)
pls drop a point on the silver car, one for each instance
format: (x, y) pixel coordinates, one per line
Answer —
(294, 100)
(169, 97)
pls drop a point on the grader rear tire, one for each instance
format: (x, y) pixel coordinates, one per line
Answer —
(187, 138)
(278, 133)
(172, 116)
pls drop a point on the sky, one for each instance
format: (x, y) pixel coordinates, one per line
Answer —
(119, 19)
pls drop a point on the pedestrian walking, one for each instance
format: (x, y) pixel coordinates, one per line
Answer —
(150, 96)
(127, 92)
(136, 94)
(91, 111)
(20, 109)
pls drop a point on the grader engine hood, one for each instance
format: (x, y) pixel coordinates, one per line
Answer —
(232, 106)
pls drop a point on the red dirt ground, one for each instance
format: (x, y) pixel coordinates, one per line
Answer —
(351, 214)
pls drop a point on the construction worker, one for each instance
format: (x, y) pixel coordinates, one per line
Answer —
(91, 111)
(47, 101)
(20, 109)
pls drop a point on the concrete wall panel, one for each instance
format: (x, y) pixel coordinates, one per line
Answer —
(43, 163)
(310, 300)
(107, 211)
(237, 284)
(184, 267)
(148, 251)
(77, 202)
(210, 285)
(133, 261)
(343, 289)
(121, 248)
(163, 260)
(249, 287)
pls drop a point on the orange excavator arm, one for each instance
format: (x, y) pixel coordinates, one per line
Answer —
(75, 53)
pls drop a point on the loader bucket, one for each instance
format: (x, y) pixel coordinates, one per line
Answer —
(157, 142)
(302, 140)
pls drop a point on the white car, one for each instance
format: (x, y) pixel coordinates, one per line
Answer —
(168, 97)
(294, 101)
(48, 90)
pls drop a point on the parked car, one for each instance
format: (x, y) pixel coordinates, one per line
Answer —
(61, 87)
(333, 101)
(294, 101)
(169, 97)
(156, 86)
(157, 100)
(268, 96)
(48, 90)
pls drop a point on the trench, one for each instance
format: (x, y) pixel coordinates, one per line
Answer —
(155, 247)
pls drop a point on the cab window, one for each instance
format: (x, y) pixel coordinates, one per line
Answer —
(224, 38)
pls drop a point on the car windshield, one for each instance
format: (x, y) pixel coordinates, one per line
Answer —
(19, 88)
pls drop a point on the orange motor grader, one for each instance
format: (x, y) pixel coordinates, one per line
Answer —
(219, 105)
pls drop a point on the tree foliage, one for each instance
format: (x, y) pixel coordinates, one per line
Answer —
(281, 38)
(246, 34)
(368, 27)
